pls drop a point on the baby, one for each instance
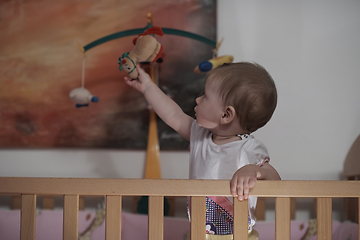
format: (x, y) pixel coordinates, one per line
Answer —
(238, 99)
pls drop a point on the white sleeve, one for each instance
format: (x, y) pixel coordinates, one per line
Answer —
(255, 152)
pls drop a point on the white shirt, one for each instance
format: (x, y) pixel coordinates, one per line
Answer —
(211, 161)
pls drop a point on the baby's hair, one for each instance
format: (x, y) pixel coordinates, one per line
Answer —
(250, 89)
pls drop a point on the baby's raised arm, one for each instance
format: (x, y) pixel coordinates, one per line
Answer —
(164, 106)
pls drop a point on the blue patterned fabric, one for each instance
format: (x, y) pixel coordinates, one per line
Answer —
(218, 220)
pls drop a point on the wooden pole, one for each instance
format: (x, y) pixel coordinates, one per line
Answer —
(152, 167)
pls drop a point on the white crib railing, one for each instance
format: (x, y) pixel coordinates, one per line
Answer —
(114, 189)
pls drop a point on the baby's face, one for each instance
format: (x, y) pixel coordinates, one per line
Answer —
(209, 108)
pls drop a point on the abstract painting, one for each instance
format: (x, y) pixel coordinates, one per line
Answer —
(41, 62)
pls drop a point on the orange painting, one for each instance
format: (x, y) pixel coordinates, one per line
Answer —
(41, 62)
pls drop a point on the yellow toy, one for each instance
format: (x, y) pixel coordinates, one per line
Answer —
(147, 48)
(210, 64)
(215, 62)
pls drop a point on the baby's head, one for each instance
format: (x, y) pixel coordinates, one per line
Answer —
(250, 89)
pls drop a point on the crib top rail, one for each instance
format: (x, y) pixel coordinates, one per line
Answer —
(172, 187)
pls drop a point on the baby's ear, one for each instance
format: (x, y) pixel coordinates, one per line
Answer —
(228, 115)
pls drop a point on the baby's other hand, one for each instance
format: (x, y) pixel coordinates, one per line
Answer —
(243, 180)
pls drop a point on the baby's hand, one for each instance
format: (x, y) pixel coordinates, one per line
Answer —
(242, 180)
(140, 84)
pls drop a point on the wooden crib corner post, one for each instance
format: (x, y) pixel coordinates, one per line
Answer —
(28, 217)
(241, 212)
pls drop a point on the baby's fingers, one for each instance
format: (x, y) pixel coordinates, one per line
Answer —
(140, 70)
(233, 185)
(129, 81)
(133, 83)
(246, 189)
(237, 188)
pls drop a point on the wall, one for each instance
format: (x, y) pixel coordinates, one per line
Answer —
(312, 51)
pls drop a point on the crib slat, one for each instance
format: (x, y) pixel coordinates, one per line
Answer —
(359, 216)
(71, 217)
(292, 208)
(16, 202)
(28, 217)
(260, 209)
(282, 218)
(113, 218)
(198, 213)
(156, 217)
(241, 211)
(48, 202)
(324, 218)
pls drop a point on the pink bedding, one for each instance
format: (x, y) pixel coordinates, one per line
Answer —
(135, 227)
(49, 226)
